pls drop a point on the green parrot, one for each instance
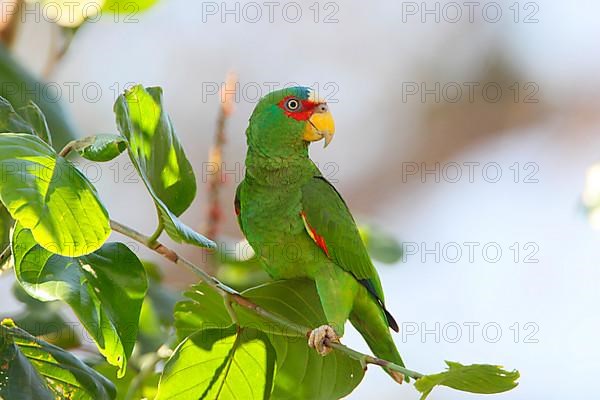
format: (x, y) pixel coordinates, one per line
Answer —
(300, 227)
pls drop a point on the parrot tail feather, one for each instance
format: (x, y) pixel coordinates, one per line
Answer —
(388, 316)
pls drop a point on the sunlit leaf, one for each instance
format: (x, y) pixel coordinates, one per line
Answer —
(105, 289)
(48, 195)
(159, 158)
(476, 378)
(31, 369)
(219, 364)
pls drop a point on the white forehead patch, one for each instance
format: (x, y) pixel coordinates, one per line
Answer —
(313, 96)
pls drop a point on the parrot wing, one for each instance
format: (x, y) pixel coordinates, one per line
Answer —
(330, 224)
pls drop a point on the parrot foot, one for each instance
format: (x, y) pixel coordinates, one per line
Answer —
(318, 336)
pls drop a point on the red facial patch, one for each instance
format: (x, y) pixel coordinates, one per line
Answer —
(303, 113)
(318, 239)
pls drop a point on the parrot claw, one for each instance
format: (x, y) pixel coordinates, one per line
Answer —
(319, 336)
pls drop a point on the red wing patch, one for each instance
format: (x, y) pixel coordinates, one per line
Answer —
(237, 206)
(318, 239)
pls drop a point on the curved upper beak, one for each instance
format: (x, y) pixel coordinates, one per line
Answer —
(320, 125)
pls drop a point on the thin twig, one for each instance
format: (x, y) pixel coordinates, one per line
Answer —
(234, 296)
(215, 159)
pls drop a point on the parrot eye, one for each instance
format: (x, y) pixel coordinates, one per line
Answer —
(292, 104)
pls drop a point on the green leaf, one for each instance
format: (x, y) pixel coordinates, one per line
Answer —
(381, 246)
(33, 369)
(105, 289)
(204, 310)
(48, 195)
(304, 374)
(102, 147)
(301, 373)
(475, 378)
(219, 364)
(36, 119)
(159, 158)
(295, 299)
(143, 120)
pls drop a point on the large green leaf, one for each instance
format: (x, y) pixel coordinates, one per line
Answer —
(105, 289)
(143, 120)
(476, 378)
(301, 373)
(48, 195)
(219, 364)
(159, 158)
(31, 369)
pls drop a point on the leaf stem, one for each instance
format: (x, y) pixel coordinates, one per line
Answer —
(157, 232)
(232, 296)
(228, 301)
(67, 149)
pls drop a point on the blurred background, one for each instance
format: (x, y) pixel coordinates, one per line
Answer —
(464, 130)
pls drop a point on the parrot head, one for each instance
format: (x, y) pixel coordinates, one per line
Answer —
(289, 119)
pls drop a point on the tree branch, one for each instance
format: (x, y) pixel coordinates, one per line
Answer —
(215, 158)
(233, 296)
